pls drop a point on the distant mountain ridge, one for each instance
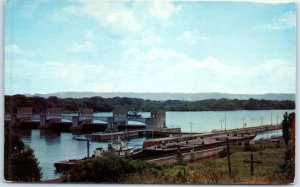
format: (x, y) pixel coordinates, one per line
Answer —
(171, 96)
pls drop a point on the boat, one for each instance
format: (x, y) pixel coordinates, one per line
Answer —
(117, 147)
(79, 137)
(172, 148)
(66, 165)
(133, 114)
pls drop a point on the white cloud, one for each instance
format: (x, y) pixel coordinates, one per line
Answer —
(16, 50)
(90, 35)
(165, 70)
(153, 70)
(61, 14)
(86, 46)
(163, 9)
(119, 15)
(151, 39)
(185, 36)
(29, 8)
(279, 69)
(285, 21)
(192, 37)
(71, 76)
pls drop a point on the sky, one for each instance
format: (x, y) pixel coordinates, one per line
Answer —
(149, 46)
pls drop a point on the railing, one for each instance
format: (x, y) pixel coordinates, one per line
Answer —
(37, 117)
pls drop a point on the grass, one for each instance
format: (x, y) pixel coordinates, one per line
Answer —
(215, 171)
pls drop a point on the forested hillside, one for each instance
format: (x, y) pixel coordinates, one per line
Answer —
(100, 104)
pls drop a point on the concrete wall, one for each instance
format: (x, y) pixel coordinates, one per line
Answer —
(158, 119)
(188, 157)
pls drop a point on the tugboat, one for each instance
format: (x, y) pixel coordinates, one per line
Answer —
(117, 146)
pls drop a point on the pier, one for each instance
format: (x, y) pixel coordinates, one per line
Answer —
(161, 132)
(220, 134)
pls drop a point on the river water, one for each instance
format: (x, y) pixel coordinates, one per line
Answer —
(50, 147)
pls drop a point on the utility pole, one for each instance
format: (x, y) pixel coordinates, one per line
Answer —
(152, 131)
(271, 118)
(277, 120)
(228, 157)
(225, 120)
(88, 147)
(251, 163)
(221, 123)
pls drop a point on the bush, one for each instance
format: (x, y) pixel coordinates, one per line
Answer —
(179, 157)
(223, 153)
(248, 147)
(106, 169)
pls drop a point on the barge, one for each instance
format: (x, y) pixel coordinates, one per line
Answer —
(66, 165)
(198, 144)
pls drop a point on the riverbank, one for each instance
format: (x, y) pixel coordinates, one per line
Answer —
(215, 171)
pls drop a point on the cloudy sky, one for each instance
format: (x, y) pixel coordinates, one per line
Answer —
(161, 46)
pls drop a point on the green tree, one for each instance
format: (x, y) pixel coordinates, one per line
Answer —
(106, 169)
(20, 164)
(286, 126)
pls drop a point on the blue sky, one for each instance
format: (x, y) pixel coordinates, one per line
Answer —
(153, 46)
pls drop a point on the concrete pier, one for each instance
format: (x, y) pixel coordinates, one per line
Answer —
(84, 120)
(231, 133)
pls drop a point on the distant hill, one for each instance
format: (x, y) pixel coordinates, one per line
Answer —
(170, 96)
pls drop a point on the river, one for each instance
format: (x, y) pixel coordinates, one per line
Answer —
(50, 147)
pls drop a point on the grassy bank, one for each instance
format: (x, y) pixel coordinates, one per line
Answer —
(215, 171)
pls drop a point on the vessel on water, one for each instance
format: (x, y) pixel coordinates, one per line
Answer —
(66, 165)
(188, 145)
(118, 147)
(133, 114)
(80, 137)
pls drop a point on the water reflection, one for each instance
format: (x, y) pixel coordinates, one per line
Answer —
(26, 134)
(52, 146)
(49, 135)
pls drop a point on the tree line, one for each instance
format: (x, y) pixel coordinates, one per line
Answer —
(99, 104)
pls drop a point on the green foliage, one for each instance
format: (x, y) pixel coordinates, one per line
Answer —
(289, 165)
(286, 126)
(223, 153)
(106, 169)
(215, 171)
(99, 104)
(249, 147)
(20, 163)
(179, 157)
